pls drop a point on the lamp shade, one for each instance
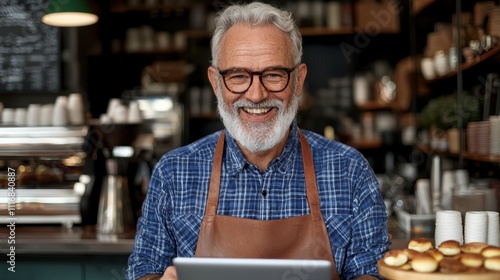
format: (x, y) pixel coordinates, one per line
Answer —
(68, 13)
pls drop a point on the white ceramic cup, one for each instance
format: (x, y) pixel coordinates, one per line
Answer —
(8, 116)
(112, 105)
(33, 115)
(134, 112)
(120, 114)
(441, 63)
(361, 85)
(20, 115)
(75, 109)
(46, 115)
(60, 111)
(427, 68)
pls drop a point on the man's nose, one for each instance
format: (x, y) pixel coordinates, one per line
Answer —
(257, 92)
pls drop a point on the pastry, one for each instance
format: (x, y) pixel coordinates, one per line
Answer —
(490, 251)
(438, 256)
(449, 248)
(424, 263)
(420, 244)
(473, 247)
(395, 258)
(492, 263)
(451, 265)
(472, 259)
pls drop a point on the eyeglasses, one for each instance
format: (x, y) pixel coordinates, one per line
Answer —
(239, 80)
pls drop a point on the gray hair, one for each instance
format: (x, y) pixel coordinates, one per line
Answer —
(255, 14)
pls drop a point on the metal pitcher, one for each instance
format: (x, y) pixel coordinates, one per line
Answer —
(115, 209)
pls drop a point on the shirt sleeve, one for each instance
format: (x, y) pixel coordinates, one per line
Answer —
(154, 246)
(369, 236)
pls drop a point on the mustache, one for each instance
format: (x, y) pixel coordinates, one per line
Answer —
(264, 104)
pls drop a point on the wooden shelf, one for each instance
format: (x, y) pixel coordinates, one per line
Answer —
(467, 65)
(365, 144)
(466, 155)
(374, 106)
(168, 51)
(321, 31)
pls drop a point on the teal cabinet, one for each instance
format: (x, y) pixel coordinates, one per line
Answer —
(106, 268)
(43, 270)
(66, 267)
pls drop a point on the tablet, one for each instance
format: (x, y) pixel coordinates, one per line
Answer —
(251, 269)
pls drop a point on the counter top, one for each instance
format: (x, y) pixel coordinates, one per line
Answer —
(60, 240)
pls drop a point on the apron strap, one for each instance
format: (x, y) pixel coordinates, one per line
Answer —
(213, 191)
(310, 175)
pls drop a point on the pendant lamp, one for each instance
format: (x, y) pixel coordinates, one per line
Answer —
(68, 13)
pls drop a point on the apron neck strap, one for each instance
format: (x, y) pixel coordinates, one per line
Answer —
(309, 173)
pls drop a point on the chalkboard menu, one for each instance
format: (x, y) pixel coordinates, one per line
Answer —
(29, 49)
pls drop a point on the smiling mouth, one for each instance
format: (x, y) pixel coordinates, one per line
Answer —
(257, 111)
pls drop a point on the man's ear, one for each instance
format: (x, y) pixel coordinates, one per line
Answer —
(302, 73)
(212, 77)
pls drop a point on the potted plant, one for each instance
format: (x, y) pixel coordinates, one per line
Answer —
(441, 117)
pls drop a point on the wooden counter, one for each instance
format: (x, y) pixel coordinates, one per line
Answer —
(59, 240)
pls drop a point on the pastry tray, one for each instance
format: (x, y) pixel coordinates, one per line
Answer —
(388, 272)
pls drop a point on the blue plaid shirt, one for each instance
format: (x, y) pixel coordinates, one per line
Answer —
(351, 204)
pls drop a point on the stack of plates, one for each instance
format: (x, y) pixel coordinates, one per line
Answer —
(472, 131)
(483, 136)
(478, 137)
(494, 135)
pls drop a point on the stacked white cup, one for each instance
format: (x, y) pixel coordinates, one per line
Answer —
(8, 116)
(493, 228)
(33, 115)
(448, 227)
(476, 227)
(134, 112)
(20, 115)
(75, 109)
(60, 111)
(46, 115)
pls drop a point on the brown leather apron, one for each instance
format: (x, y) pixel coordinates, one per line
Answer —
(299, 237)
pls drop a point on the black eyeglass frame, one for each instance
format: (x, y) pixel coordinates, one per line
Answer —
(259, 73)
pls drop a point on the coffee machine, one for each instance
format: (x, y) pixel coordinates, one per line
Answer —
(44, 167)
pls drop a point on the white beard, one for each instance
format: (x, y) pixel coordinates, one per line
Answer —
(257, 136)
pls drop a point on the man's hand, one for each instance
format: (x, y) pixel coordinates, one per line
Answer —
(170, 273)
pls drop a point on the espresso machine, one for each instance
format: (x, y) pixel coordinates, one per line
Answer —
(45, 165)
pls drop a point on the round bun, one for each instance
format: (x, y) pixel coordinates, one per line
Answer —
(395, 258)
(451, 265)
(492, 263)
(473, 247)
(420, 244)
(491, 251)
(424, 263)
(449, 248)
(438, 256)
(410, 253)
(472, 259)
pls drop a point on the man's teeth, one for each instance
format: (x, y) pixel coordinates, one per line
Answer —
(257, 110)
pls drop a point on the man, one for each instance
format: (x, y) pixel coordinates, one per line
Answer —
(261, 188)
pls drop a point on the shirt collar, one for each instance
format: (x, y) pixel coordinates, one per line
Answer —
(236, 161)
